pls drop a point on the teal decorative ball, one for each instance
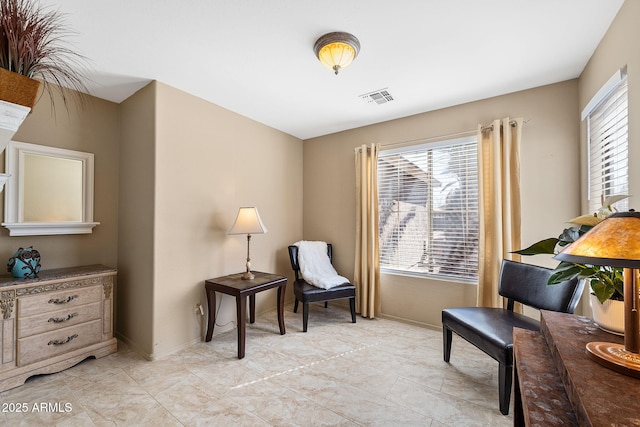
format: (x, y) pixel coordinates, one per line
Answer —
(25, 263)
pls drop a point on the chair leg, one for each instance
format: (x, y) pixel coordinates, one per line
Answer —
(326, 304)
(447, 335)
(305, 316)
(352, 306)
(505, 374)
(295, 306)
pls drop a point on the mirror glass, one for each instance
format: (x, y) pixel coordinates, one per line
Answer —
(50, 190)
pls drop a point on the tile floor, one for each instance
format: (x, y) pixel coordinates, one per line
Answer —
(372, 373)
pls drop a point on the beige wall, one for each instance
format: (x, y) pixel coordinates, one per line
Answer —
(617, 49)
(92, 129)
(201, 162)
(549, 179)
(136, 213)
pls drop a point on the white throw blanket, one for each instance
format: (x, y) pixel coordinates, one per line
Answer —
(315, 265)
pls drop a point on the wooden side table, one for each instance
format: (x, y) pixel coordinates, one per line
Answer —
(236, 286)
(556, 383)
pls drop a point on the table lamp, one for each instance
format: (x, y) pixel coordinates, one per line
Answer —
(248, 222)
(615, 242)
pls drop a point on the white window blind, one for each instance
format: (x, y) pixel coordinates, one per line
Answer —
(608, 148)
(428, 209)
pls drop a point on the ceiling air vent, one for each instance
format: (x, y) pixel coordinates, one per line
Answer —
(380, 96)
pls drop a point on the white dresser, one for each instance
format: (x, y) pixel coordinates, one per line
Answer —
(54, 321)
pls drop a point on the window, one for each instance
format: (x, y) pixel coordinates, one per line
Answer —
(608, 145)
(428, 209)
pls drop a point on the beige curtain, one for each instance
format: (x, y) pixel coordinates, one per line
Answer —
(367, 262)
(499, 195)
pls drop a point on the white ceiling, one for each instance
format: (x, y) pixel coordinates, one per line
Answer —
(255, 57)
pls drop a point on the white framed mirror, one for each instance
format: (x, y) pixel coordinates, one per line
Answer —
(50, 190)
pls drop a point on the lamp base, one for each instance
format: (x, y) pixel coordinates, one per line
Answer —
(615, 357)
(248, 276)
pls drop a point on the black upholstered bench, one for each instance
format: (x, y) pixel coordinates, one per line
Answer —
(491, 329)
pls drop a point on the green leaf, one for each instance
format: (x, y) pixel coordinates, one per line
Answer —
(564, 271)
(546, 246)
(569, 235)
(618, 281)
(591, 271)
(602, 291)
(584, 228)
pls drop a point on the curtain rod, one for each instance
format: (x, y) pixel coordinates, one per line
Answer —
(513, 123)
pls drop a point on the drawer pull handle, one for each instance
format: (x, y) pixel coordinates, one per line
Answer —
(62, 319)
(62, 301)
(58, 342)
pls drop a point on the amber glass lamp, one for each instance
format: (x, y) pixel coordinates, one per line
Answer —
(248, 222)
(615, 242)
(337, 50)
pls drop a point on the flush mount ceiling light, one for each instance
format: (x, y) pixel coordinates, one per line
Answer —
(337, 50)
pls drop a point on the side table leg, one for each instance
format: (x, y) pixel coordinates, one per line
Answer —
(252, 308)
(281, 290)
(518, 410)
(241, 309)
(211, 303)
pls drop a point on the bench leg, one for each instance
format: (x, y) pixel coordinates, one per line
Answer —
(505, 376)
(352, 306)
(447, 335)
(295, 306)
(305, 316)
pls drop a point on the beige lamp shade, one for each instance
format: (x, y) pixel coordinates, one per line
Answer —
(248, 222)
(337, 50)
(614, 242)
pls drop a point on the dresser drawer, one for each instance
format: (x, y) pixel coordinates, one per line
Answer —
(50, 344)
(50, 321)
(55, 301)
